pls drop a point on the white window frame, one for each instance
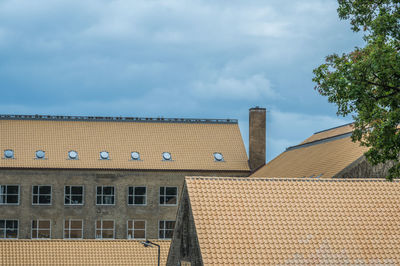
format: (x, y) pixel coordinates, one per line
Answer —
(102, 196)
(5, 228)
(70, 195)
(165, 196)
(70, 229)
(19, 192)
(133, 229)
(51, 194)
(133, 196)
(101, 229)
(159, 229)
(37, 228)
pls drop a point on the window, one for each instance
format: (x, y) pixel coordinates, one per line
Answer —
(40, 154)
(73, 195)
(41, 195)
(73, 155)
(218, 157)
(137, 195)
(168, 195)
(166, 156)
(104, 229)
(105, 195)
(73, 229)
(136, 229)
(8, 229)
(41, 229)
(9, 194)
(8, 154)
(104, 155)
(135, 156)
(166, 229)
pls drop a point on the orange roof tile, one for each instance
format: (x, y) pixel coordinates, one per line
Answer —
(80, 252)
(261, 221)
(191, 144)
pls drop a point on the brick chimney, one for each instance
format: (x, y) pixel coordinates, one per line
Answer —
(257, 136)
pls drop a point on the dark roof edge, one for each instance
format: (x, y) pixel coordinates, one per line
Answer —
(333, 128)
(319, 141)
(117, 119)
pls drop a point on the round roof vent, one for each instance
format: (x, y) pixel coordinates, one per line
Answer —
(135, 155)
(218, 157)
(166, 156)
(73, 155)
(9, 154)
(104, 155)
(40, 154)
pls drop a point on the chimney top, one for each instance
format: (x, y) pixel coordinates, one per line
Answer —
(257, 108)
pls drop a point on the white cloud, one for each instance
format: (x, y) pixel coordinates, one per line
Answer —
(251, 88)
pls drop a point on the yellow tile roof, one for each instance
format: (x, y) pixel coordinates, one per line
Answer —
(260, 221)
(330, 133)
(326, 152)
(80, 252)
(191, 144)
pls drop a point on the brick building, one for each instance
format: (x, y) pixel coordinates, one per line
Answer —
(64, 177)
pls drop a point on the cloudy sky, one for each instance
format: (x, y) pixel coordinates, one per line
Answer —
(173, 58)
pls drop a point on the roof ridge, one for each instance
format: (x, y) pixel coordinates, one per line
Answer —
(307, 179)
(332, 128)
(117, 119)
(318, 141)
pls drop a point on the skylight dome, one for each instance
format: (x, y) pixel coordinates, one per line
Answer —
(40, 154)
(8, 154)
(218, 157)
(135, 155)
(104, 155)
(73, 155)
(166, 156)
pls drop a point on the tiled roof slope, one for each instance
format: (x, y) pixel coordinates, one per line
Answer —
(80, 252)
(191, 144)
(294, 221)
(330, 133)
(326, 156)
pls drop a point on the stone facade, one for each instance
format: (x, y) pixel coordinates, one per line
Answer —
(89, 212)
(361, 168)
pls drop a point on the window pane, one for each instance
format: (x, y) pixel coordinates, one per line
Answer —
(35, 199)
(130, 224)
(108, 224)
(76, 200)
(76, 224)
(98, 233)
(44, 199)
(12, 199)
(171, 191)
(9, 224)
(171, 200)
(44, 234)
(130, 190)
(12, 189)
(66, 224)
(108, 234)
(67, 200)
(168, 233)
(34, 224)
(98, 200)
(162, 200)
(140, 190)
(108, 190)
(161, 234)
(140, 200)
(45, 190)
(140, 234)
(130, 234)
(130, 199)
(99, 190)
(161, 190)
(2, 189)
(108, 200)
(67, 190)
(76, 234)
(34, 233)
(35, 189)
(12, 233)
(3, 199)
(66, 234)
(169, 224)
(77, 190)
(140, 224)
(98, 224)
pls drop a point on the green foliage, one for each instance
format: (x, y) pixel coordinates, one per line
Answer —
(365, 83)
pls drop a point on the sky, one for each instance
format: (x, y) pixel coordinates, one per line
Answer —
(173, 58)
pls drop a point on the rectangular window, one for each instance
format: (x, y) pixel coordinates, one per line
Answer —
(136, 229)
(105, 195)
(41, 195)
(41, 229)
(8, 229)
(137, 195)
(104, 229)
(168, 195)
(9, 195)
(73, 195)
(73, 229)
(166, 229)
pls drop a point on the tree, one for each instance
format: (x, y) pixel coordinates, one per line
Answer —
(365, 83)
